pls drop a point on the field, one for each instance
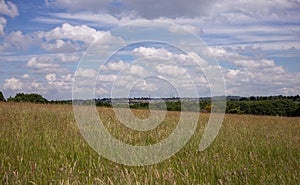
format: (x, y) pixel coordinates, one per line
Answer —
(40, 144)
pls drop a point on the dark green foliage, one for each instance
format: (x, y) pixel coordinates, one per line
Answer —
(272, 105)
(275, 106)
(103, 104)
(60, 102)
(1, 97)
(33, 98)
(204, 104)
(173, 106)
(297, 111)
(142, 105)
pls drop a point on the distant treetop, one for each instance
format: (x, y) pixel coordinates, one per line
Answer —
(33, 98)
(1, 96)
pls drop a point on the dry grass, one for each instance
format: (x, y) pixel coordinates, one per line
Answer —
(40, 144)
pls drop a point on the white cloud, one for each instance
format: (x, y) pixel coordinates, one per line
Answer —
(225, 10)
(81, 33)
(92, 18)
(179, 59)
(20, 41)
(65, 58)
(79, 5)
(45, 64)
(50, 77)
(170, 70)
(247, 82)
(221, 54)
(114, 66)
(61, 46)
(158, 52)
(64, 39)
(8, 8)
(59, 86)
(248, 34)
(256, 76)
(13, 84)
(146, 86)
(26, 76)
(41, 62)
(86, 73)
(183, 29)
(136, 70)
(55, 87)
(2, 25)
(258, 64)
(107, 78)
(150, 51)
(259, 9)
(250, 76)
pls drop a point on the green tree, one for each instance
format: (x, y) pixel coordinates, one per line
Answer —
(297, 111)
(1, 96)
(33, 98)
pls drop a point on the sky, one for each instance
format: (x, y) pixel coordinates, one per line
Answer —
(48, 47)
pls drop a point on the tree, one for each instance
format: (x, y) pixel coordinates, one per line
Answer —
(33, 98)
(1, 96)
(297, 111)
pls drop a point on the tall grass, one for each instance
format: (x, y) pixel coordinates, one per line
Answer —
(40, 144)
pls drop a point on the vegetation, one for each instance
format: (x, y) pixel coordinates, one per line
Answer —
(40, 144)
(260, 105)
(1, 97)
(273, 105)
(33, 98)
(103, 104)
(277, 106)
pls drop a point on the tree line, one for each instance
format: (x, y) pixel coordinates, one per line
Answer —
(258, 105)
(280, 106)
(21, 97)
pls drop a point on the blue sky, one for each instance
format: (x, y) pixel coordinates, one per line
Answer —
(257, 44)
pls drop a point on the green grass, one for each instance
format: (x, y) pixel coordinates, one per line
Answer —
(40, 144)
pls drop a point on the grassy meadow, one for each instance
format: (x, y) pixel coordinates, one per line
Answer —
(40, 144)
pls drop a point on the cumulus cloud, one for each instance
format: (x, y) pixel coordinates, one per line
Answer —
(59, 86)
(170, 70)
(66, 58)
(82, 73)
(20, 41)
(63, 39)
(114, 66)
(236, 27)
(13, 84)
(45, 64)
(26, 83)
(81, 33)
(267, 81)
(50, 77)
(158, 52)
(66, 38)
(61, 46)
(55, 87)
(222, 55)
(26, 76)
(249, 75)
(107, 78)
(256, 76)
(8, 8)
